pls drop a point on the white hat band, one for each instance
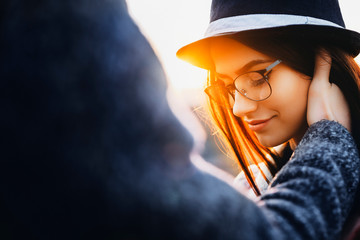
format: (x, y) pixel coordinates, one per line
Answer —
(259, 21)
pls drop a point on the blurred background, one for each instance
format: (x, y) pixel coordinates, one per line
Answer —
(171, 24)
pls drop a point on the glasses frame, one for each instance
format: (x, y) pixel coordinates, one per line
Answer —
(265, 74)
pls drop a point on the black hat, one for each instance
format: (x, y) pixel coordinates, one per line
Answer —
(234, 16)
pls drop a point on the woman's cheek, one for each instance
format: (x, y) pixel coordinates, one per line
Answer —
(290, 103)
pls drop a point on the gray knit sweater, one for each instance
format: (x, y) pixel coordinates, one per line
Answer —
(311, 196)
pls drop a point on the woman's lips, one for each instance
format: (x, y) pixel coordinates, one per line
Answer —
(258, 125)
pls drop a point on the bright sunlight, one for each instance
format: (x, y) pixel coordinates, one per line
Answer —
(171, 24)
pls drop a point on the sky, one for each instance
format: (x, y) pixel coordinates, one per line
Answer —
(171, 24)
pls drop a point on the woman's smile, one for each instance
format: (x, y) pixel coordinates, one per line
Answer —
(258, 125)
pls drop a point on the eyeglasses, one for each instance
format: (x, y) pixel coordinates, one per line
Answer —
(253, 85)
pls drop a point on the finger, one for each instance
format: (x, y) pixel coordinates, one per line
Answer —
(322, 66)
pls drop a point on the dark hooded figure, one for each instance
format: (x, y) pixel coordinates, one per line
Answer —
(91, 150)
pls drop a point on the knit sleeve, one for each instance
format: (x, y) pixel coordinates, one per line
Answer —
(311, 196)
(308, 199)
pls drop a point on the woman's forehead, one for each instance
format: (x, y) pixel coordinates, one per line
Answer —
(226, 48)
(232, 57)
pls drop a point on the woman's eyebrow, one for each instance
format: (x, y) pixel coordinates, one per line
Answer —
(246, 67)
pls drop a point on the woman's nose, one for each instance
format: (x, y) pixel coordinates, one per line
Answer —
(243, 105)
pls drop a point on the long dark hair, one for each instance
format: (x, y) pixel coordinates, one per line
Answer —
(297, 48)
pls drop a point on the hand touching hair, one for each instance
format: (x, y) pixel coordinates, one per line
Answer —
(325, 99)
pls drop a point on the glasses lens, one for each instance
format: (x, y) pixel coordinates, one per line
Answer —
(253, 86)
(220, 95)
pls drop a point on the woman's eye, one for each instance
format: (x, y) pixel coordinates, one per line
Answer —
(256, 79)
(258, 82)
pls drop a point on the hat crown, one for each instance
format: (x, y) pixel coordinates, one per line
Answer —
(323, 9)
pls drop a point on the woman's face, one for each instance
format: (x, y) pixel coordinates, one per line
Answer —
(282, 116)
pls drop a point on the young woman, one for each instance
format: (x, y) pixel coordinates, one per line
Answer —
(273, 111)
(264, 60)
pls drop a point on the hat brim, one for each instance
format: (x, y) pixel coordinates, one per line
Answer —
(198, 53)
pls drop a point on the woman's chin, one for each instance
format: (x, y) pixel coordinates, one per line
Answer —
(270, 141)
